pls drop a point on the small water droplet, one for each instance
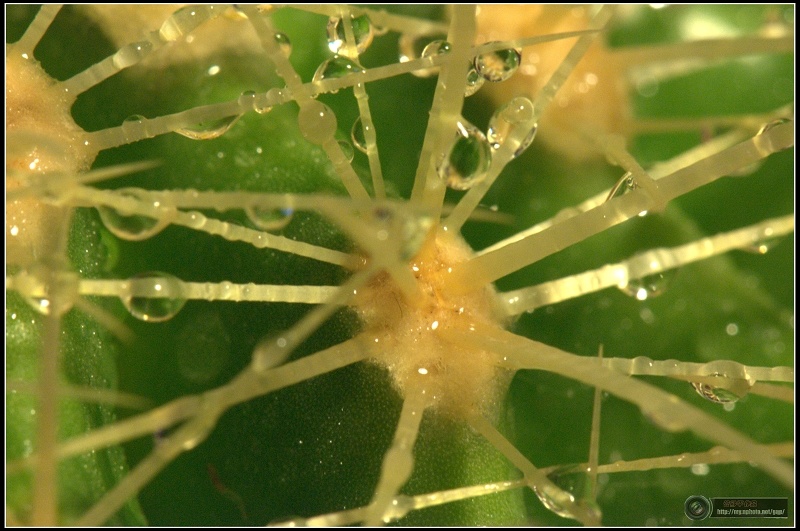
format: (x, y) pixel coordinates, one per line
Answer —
(700, 469)
(624, 185)
(432, 49)
(180, 22)
(559, 506)
(411, 46)
(157, 300)
(732, 391)
(131, 54)
(317, 122)
(336, 67)
(773, 124)
(35, 287)
(506, 119)
(435, 48)
(271, 219)
(762, 247)
(466, 162)
(649, 286)
(474, 82)
(498, 65)
(247, 100)
(134, 128)
(209, 130)
(647, 86)
(261, 106)
(357, 136)
(363, 32)
(134, 227)
(284, 44)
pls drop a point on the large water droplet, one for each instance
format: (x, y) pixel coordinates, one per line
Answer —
(357, 136)
(317, 122)
(335, 67)
(131, 54)
(466, 161)
(209, 130)
(649, 286)
(134, 227)
(506, 119)
(156, 300)
(363, 32)
(498, 65)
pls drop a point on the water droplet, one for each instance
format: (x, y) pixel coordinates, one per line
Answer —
(284, 44)
(336, 67)
(435, 48)
(773, 124)
(647, 86)
(209, 130)
(474, 82)
(154, 296)
(649, 286)
(34, 284)
(624, 185)
(363, 32)
(466, 162)
(261, 104)
(432, 49)
(180, 22)
(506, 119)
(134, 128)
(412, 45)
(347, 150)
(399, 507)
(762, 247)
(498, 65)
(357, 136)
(558, 507)
(135, 227)
(270, 219)
(731, 391)
(131, 54)
(317, 122)
(247, 100)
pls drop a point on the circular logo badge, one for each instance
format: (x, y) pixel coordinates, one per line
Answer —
(697, 507)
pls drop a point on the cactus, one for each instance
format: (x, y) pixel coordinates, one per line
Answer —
(220, 294)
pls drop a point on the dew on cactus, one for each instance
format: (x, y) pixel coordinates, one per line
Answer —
(214, 297)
